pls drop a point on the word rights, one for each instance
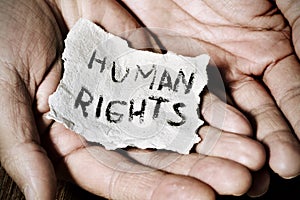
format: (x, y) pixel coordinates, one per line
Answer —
(119, 96)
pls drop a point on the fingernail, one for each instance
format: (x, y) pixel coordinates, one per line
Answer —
(29, 193)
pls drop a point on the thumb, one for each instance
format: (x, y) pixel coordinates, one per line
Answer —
(20, 152)
(291, 12)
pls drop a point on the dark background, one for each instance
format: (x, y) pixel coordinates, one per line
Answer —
(279, 189)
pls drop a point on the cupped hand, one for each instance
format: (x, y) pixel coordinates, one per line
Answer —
(291, 11)
(34, 150)
(251, 43)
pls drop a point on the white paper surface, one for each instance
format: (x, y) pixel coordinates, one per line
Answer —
(118, 96)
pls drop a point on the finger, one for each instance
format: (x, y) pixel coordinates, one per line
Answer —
(21, 155)
(115, 176)
(271, 127)
(283, 80)
(224, 176)
(223, 116)
(260, 183)
(111, 16)
(290, 10)
(123, 182)
(108, 14)
(45, 89)
(230, 146)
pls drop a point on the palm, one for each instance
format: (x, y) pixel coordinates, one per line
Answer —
(69, 155)
(35, 73)
(250, 42)
(245, 37)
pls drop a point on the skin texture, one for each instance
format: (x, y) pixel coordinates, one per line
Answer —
(250, 42)
(36, 151)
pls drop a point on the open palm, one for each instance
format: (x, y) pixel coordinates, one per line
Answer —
(251, 44)
(32, 40)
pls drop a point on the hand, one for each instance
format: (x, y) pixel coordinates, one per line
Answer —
(250, 42)
(290, 10)
(35, 151)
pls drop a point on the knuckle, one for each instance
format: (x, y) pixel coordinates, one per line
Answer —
(289, 96)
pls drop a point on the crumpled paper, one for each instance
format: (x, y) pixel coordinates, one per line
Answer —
(118, 96)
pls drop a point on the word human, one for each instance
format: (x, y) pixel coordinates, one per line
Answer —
(115, 110)
(165, 80)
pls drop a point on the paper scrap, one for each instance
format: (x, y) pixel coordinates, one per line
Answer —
(118, 96)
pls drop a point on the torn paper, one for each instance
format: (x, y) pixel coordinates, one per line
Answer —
(118, 96)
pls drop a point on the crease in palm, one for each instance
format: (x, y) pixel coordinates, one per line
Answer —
(244, 40)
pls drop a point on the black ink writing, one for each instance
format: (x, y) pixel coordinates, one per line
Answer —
(113, 74)
(176, 109)
(147, 75)
(181, 77)
(137, 113)
(165, 81)
(158, 100)
(109, 113)
(99, 106)
(83, 103)
(93, 58)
